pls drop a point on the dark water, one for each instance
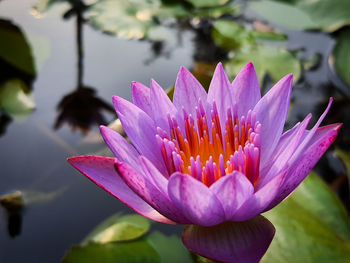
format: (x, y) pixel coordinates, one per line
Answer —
(33, 154)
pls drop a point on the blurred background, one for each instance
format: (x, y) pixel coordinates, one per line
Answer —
(61, 61)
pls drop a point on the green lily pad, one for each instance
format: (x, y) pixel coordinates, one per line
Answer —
(170, 248)
(230, 35)
(345, 157)
(119, 228)
(14, 48)
(274, 61)
(311, 226)
(14, 98)
(138, 251)
(341, 56)
(136, 19)
(207, 3)
(124, 18)
(326, 15)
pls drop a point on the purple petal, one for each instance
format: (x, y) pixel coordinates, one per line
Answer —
(188, 91)
(141, 97)
(144, 188)
(284, 151)
(232, 191)
(310, 134)
(234, 242)
(246, 90)
(120, 147)
(102, 172)
(195, 199)
(302, 166)
(152, 173)
(260, 200)
(271, 112)
(140, 129)
(220, 93)
(161, 106)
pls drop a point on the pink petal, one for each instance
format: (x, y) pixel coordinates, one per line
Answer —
(152, 173)
(284, 151)
(302, 166)
(233, 242)
(232, 191)
(161, 106)
(144, 188)
(260, 200)
(102, 172)
(271, 112)
(141, 97)
(195, 200)
(310, 134)
(220, 93)
(188, 91)
(120, 147)
(246, 90)
(140, 129)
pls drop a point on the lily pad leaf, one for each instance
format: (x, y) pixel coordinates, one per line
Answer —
(280, 62)
(119, 228)
(126, 19)
(345, 157)
(325, 15)
(341, 56)
(138, 251)
(207, 3)
(14, 98)
(311, 226)
(14, 48)
(170, 248)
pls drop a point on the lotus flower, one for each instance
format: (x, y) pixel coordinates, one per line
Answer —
(208, 160)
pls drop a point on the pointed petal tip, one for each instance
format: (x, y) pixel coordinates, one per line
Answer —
(338, 125)
(250, 65)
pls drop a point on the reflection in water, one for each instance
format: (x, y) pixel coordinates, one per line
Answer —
(5, 120)
(13, 204)
(81, 108)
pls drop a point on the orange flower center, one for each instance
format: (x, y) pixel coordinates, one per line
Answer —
(208, 151)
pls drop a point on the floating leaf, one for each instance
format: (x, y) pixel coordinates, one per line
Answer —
(283, 14)
(13, 98)
(311, 226)
(274, 61)
(117, 228)
(341, 56)
(207, 3)
(230, 35)
(326, 15)
(14, 48)
(124, 18)
(138, 251)
(345, 157)
(170, 248)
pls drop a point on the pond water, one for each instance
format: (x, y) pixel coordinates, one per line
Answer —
(62, 206)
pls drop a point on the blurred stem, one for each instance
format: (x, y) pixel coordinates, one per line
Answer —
(80, 49)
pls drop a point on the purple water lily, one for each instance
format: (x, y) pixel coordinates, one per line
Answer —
(208, 159)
